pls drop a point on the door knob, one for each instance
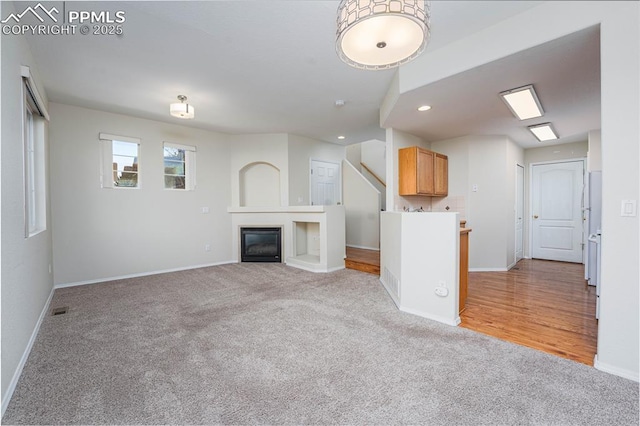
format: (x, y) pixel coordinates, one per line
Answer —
(535, 216)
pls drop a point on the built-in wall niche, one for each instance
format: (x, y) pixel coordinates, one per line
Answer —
(259, 185)
(306, 241)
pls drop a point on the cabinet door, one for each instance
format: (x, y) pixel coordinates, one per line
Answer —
(441, 174)
(407, 171)
(425, 172)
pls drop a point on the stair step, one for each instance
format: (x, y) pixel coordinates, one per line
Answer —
(363, 260)
(362, 266)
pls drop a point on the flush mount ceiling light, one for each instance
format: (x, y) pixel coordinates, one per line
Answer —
(182, 109)
(382, 34)
(341, 137)
(523, 102)
(543, 132)
(424, 108)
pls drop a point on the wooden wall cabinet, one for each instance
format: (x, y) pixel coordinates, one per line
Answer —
(422, 172)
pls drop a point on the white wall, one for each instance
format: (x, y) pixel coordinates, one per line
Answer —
(362, 209)
(421, 251)
(565, 151)
(354, 155)
(26, 281)
(259, 185)
(374, 155)
(594, 157)
(618, 328)
(488, 162)
(396, 140)
(262, 148)
(106, 233)
(301, 151)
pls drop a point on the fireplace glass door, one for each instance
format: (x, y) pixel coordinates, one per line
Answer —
(260, 244)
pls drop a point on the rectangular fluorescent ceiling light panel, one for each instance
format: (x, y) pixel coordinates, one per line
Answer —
(543, 132)
(523, 102)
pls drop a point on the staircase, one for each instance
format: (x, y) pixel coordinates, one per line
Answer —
(363, 260)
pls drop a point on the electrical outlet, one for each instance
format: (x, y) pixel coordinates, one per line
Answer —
(442, 283)
(207, 247)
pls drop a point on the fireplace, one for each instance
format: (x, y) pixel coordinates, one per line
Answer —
(260, 244)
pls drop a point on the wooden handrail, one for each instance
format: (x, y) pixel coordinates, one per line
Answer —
(373, 174)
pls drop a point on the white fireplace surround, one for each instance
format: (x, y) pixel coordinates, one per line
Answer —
(313, 237)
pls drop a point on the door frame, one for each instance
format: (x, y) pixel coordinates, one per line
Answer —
(339, 164)
(529, 221)
(523, 190)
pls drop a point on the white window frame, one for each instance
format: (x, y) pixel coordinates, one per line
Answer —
(34, 157)
(106, 160)
(189, 165)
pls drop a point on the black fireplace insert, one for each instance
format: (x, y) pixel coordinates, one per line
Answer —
(260, 244)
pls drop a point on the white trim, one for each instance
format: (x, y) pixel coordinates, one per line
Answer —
(616, 371)
(25, 71)
(364, 247)
(515, 249)
(432, 317)
(110, 137)
(488, 269)
(25, 355)
(335, 268)
(142, 274)
(179, 146)
(511, 266)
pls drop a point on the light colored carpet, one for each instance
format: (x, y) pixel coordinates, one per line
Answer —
(270, 344)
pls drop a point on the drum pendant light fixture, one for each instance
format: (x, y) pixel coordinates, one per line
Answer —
(182, 109)
(382, 34)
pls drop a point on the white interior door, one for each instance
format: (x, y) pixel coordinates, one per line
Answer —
(519, 211)
(556, 210)
(325, 183)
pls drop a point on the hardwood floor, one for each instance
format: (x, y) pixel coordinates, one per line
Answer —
(363, 260)
(541, 304)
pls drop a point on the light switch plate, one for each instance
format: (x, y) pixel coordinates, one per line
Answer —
(629, 208)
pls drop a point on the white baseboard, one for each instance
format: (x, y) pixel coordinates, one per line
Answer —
(438, 318)
(142, 274)
(488, 269)
(364, 247)
(25, 355)
(616, 371)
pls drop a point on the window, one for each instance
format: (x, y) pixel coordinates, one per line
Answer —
(120, 161)
(179, 166)
(35, 185)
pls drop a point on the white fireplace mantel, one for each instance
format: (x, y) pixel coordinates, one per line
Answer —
(313, 237)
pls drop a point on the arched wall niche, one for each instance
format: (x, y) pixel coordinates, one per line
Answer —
(259, 185)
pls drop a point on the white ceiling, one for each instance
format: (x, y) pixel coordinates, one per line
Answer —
(270, 66)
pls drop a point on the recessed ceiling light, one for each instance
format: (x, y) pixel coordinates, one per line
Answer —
(424, 108)
(523, 102)
(543, 132)
(341, 137)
